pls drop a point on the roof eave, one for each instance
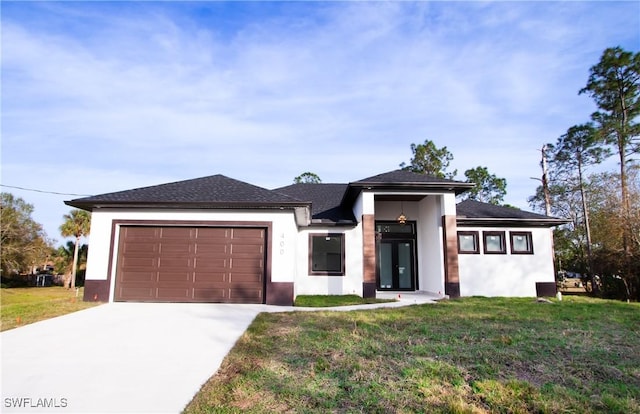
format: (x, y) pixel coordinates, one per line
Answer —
(355, 188)
(437, 185)
(90, 206)
(332, 223)
(506, 222)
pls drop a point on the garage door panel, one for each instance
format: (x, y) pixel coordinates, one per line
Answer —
(177, 233)
(177, 276)
(245, 294)
(175, 262)
(176, 249)
(197, 264)
(139, 261)
(208, 278)
(174, 294)
(247, 263)
(141, 275)
(209, 294)
(141, 232)
(213, 233)
(246, 249)
(211, 263)
(247, 233)
(141, 248)
(136, 293)
(219, 249)
(246, 278)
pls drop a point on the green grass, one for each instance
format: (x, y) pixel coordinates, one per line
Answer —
(321, 301)
(22, 306)
(472, 355)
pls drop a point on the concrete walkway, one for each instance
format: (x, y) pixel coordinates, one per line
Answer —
(127, 357)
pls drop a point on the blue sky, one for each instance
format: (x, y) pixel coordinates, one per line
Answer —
(100, 97)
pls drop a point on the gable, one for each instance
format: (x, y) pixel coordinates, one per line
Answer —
(325, 199)
(212, 191)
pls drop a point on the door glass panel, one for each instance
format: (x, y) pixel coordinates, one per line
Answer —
(405, 271)
(395, 228)
(385, 261)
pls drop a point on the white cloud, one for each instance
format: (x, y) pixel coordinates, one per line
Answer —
(113, 96)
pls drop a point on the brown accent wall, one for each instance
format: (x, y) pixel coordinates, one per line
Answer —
(451, 272)
(546, 289)
(279, 293)
(369, 256)
(96, 290)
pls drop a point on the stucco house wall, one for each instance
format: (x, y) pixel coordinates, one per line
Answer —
(348, 284)
(430, 246)
(507, 274)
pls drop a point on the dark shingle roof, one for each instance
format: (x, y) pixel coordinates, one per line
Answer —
(215, 190)
(403, 180)
(330, 203)
(399, 179)
(325, 198)
(474, 212)
(403, 176)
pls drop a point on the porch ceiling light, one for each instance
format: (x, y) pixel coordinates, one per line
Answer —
(402, 219)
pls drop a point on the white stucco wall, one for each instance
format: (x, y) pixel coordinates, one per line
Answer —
(284, 237)
(430, 250)
(507, 274)
(365, 204)
(448, 204)
(349, 284)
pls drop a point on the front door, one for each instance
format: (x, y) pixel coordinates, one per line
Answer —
(395, 265)
(396, 256)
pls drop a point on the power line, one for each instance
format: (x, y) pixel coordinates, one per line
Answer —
(42, 191)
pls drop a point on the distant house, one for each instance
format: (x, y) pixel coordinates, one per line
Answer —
(216, 239)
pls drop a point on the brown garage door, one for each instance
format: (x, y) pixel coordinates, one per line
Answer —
(190, 264)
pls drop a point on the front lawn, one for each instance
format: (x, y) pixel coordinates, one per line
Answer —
(472, 355)
(21, 306)
(322, 301)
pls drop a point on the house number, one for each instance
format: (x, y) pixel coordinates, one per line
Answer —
(282, 244)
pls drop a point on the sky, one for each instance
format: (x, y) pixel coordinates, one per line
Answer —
(107, 96)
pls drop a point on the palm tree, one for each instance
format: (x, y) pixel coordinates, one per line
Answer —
(76, 224)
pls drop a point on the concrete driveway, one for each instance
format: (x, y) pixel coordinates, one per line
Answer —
(119, 357)
(129, 357)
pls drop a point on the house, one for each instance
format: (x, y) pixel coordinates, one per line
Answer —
(216, 239)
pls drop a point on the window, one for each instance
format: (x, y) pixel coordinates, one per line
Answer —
(494, 242)
(468, 242)
(521, 242)
(326, 254)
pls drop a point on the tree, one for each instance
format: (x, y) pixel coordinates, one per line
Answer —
(488, 188)
(574, 151)
(614, 85)
(569, 239)
(307, 178)
(430, 160)
(63, 259)
(24, 242)
(619, 271)
(76, 224)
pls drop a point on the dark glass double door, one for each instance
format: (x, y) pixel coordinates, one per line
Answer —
(396, 264)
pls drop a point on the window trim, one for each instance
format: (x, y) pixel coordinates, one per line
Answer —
(494, 233)
(526, 234)
(476, 242)
(342, 255)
